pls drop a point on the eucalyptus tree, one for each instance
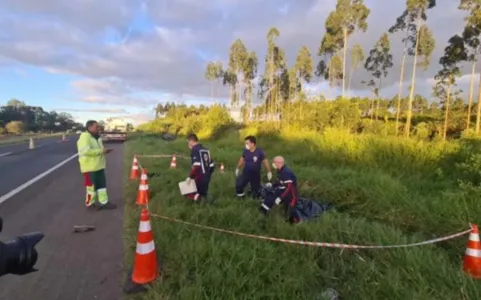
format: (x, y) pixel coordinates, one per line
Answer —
(349, 17)
(357, 57)
(471, 38)
(377, 63)
(211, 76)
(249, 69)
(418, 42)
(274, 66)
(237, 57)
(454, 53)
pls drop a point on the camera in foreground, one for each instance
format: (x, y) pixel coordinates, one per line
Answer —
(18, 256)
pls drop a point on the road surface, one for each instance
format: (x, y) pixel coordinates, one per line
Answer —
(72, 265)
(5, 148)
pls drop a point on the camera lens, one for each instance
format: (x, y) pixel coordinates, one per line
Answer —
(18, 256)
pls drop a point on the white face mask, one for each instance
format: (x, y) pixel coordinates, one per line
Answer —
(274, 166)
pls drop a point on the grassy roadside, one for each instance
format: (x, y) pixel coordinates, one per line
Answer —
(8, 141)
(390, 199)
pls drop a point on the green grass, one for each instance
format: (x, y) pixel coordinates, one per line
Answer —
(11, 140)
(391, 191)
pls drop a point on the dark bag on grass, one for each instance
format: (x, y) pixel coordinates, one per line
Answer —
(307, 209)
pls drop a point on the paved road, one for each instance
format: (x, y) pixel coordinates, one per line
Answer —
(24, 145)
(19, 164)
(72, 265)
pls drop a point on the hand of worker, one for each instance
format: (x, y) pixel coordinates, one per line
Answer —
(278, 201)
(107, 150)
(236, 172)
(269, 176)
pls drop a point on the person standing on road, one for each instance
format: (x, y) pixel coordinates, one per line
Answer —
(91, 153)
(252, 159)
(202, 167)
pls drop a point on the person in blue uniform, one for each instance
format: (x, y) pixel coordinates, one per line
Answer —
(202, 167)
(286, 191)
(252, 160)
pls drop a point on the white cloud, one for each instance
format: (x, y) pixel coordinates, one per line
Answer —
(126, 51)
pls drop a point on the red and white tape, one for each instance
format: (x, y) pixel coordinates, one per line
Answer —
(165, 156)
(161, 156)
(315, 244)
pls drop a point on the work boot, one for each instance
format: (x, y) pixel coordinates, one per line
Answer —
(93, 206)
(107, 205)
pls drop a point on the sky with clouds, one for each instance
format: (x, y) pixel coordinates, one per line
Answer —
(96, 59)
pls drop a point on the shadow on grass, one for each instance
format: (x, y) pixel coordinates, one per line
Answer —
(153, 174)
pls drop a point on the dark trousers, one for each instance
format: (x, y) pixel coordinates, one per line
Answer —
(252, 178)
(270, 201)
(202, 188)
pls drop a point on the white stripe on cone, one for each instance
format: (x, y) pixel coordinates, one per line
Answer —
(473, 252)
(146, 248)
(144, 226)
(474, 237)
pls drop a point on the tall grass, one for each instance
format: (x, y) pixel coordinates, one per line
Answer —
(386, 191)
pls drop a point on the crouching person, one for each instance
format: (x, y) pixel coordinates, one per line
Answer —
(202, 168)
(285, 191)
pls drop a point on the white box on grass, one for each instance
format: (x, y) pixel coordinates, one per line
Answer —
(187, 188)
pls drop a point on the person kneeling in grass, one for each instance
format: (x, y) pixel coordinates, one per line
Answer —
(286, 191)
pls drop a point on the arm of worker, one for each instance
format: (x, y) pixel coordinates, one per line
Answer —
(240, 164)
(84, 149)
(289, 185)
(287, 191)
(196, 164)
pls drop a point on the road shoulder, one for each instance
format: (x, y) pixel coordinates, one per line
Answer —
(72, 265)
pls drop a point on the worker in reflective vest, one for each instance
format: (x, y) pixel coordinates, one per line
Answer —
(91, 153)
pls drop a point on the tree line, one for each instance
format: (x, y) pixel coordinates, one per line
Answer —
(16, 118)
(282, 87)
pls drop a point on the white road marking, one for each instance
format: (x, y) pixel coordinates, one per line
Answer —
(35, 179)
(5, 154)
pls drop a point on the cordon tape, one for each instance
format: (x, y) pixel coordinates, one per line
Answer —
(299, 242)
(314, 244)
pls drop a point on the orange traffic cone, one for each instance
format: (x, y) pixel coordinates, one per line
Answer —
(472, 256)
(63, 138)
(222, 168)
(173, 163)
(146, 267)
(143, 193)
(134, 172)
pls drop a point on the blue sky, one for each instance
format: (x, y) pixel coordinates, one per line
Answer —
(97, 60)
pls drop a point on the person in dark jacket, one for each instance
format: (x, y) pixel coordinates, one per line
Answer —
(286, 191)
(252, 159)
(202, 167)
